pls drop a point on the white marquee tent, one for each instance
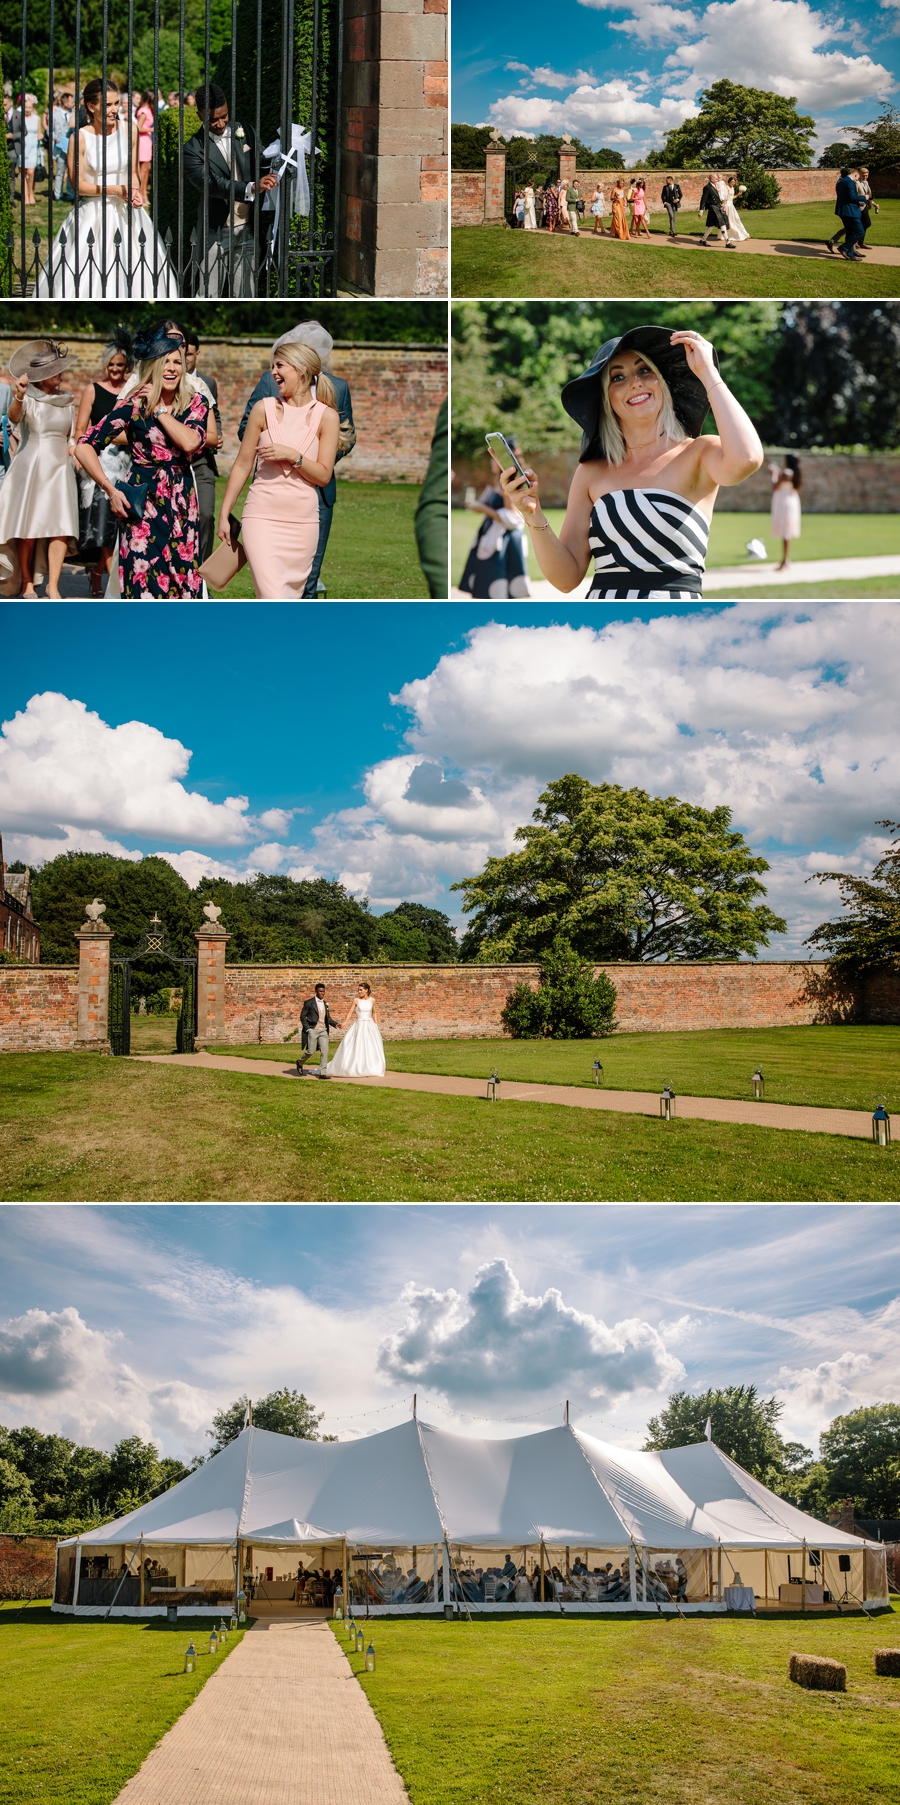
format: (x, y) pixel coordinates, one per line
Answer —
(414, 1519)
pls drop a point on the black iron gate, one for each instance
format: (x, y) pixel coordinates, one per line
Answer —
(153, 945)
(278, 65)
(521, 175)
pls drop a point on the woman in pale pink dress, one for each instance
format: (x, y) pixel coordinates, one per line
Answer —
(639, 210)
(295, 437)
(146, 121)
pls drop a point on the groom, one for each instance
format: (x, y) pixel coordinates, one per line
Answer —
(223, 238)
(316, 1022)
(712, 203)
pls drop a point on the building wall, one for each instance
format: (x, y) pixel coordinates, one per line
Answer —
(396, 392)
(832, 483)
(467, 188)
(19, 934)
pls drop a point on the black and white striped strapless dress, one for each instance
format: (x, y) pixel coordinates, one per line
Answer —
(649, 545)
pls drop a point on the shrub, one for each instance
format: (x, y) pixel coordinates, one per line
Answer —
(569, 1004)
(166, 201)
(818, 1673)
(887, 1661)
(762, 188)
(169, 62)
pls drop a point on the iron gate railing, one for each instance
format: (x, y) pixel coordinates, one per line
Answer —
(153, 946)
(517, 178)
(281, 74)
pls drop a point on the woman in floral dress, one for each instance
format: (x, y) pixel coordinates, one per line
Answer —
(164, 422)
(551, 207)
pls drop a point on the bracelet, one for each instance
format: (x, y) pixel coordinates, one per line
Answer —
(540, 529)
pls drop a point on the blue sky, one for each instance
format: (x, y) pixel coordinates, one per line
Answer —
(621, 76)
(137, 730)
(122, 1320)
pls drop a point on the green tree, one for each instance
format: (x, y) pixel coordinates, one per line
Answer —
(620, 875)
(835, 156)
(170, 52)
(738, 125)
(399, 942)
(274, 920)
(136, 1474)
(468, 144)
(569, 1004)
(6, 221)
(285, 1412)
(132, 891)
(435, 928)
(861, 1456)
(743, 1425)
(877, 144)
(16, 1492)
(395, 322)
(762, 190)
(834, 377)
(659, 159)
(869, 933)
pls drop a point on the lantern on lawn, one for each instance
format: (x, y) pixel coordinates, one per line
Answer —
(339, 1604)
(360, 1642)
(667, 1103)
(351, 1630)
(232, 1622)
(597, 1069)
(370, 1658)
(242, 1607)
(493, 1085)
(223, 1633)
(190, 1658)
(759, 1083)
(881, 1126)
(213, 1642)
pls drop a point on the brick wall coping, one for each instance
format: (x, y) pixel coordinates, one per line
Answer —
(254, 338)
(482, 965)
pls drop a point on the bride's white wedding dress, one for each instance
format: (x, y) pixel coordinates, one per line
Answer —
(75, 269)
(735, 223)
(361, 1052)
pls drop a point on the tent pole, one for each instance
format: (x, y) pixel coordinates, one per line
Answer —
(237, 1572)
(445, 1552)
(143, 1575)
(543, 1592)
(803, 1579)
(344, 1574)
(719, 1574)
(632, 1575)
(55, 1559)
(77, 1573)
(766, 1575)
(434, 1583)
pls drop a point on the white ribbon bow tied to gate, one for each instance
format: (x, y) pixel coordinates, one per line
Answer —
(295, 161)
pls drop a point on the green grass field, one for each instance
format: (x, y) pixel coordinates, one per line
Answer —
(803, 222)
(372, 553)
(831, 1068)
(823, 536)
(654, 1712)
(76, 1126)
(487, 260)
(84, 1701)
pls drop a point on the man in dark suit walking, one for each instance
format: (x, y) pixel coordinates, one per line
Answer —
(220, 161)
(713, 205)
(847, 207)
(316, 1022)
(671, 200)
(311, 333)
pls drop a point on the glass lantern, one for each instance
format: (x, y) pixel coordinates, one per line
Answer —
(223, 1633)
(360, 1642)
(190, 1658)
(759, 1083)
(597, 1070)
(493, 1085)
(213, 1642)
(351, 1631)
(667, 1103)
(233, 1623)
(370, 1658)
(339, 1605)
(881, 1126)
(242, 1607)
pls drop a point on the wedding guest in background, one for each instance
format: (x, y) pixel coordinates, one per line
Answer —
(39, 493)
(619, 227)
(551, 206)
(98, 525)
(146, 124)
(598, 209)
(847, 207)
(497, 566)
(59, 129)
(671, 198)
(431, 512)
(639, 210)
(311, 333)
(206, 469)
(530, 222)
(786, 510)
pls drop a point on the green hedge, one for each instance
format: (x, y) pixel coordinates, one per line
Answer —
(166, 200)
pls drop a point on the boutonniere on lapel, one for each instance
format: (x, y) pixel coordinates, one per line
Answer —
(239, 133)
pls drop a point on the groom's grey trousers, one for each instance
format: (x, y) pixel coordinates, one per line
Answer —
(317, 1042)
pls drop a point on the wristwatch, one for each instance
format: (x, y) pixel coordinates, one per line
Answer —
(297, 462)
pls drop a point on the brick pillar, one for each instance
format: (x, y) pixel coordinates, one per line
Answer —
(211, 942)
(92, 1035)
(394, 171)
(494, 183)
(568, 163)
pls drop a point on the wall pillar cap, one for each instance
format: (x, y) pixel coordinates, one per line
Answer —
(94, 930)
(209, 932)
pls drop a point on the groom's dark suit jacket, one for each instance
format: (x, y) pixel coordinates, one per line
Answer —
(309, 1015)
(715, 211)
(219, 202)
(846, 205)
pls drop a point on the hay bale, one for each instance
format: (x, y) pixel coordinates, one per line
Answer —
(818, 1673)
(887, 1660)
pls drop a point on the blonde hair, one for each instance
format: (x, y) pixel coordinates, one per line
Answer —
(150, 369)
(612, 438)
(303, 357)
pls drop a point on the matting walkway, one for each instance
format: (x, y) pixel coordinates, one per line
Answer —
(855, 1122)
(282, 1721)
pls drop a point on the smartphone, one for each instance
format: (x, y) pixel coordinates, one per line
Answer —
(504, 453)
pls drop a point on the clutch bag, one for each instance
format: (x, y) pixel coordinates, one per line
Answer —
(224, 563)
(136, 497)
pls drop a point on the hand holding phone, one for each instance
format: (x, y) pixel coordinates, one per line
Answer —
(500, 448)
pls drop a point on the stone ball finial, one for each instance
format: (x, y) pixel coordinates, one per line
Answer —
(212, 912)
(95, 909)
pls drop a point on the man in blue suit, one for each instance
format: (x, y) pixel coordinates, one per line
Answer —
(314, 335)
(847, 208)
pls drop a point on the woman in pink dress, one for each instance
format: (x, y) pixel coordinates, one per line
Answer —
(295, 438)
(146, 121)
(639, 210)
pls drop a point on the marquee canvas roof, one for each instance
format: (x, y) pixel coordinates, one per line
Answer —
(416, 1484)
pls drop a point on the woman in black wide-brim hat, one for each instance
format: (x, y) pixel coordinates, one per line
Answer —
(641, 500)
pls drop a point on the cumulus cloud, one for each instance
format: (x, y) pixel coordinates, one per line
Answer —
(63, 770)
(611, 110)
(496, 1342)
(48, 1351)
(782, 49)
(830, 1388)
(545, 77)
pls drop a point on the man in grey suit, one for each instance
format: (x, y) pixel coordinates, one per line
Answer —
(316, 1022)
(314, 335)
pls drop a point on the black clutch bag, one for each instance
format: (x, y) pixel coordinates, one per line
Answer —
(135, 497)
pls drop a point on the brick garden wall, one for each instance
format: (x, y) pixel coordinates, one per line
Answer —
(38, 1008)
(26, 1566)
(396, 392)
(832, 483)
(467, 188)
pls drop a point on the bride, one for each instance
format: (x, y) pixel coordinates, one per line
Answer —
(361, 1052)
(78, 270)
(736, 226)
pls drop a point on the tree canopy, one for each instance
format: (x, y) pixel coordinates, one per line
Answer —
(50, 1481)
(285, 1412)
(569, 1003)
(868, 934)
(834, 377)
(738, 125)
(861, 1456)
(877, 145)
(403, 322)
(835, 156)
(620, 875)
(468, 144)
(742, 1424)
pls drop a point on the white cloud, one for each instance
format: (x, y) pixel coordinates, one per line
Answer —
(61, 764)
(545, 77)
(45, 1351)
(610, 111)
(829, 1389)
(35, 849)
(782, 48)
(497, 1342)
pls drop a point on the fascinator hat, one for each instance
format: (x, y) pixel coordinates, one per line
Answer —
(40, 359)
(309, 333)
(582, 397)
(152, 340)
(120, 341)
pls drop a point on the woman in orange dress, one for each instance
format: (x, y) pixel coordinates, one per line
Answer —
(619, 227)
(295, 438)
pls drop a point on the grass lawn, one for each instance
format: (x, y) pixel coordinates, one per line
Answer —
(154, 1033)
(490, 261)
(832, 1068)
(372, 553)
(804, 222)
(824, 536)
(76, 1126)
(812, 592)
(84, 1701)
(653, 1712)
